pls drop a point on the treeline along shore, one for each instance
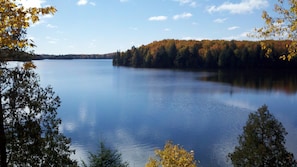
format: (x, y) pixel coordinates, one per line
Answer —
(186, 54)
(13, 55)
(192, 54)
(75, 56)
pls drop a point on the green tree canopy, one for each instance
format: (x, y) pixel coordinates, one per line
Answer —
(29, 132)
(262, 143)
(29, 118)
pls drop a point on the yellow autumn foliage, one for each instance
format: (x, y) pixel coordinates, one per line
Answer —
(172, 156)
(15, 19)
(282, 25)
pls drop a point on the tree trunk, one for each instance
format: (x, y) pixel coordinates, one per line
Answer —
(3, 155)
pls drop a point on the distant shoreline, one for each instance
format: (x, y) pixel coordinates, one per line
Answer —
(73, 56)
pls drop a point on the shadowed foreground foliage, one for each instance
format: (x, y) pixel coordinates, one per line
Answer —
(29, 133)
(262, 143)
(29, 118)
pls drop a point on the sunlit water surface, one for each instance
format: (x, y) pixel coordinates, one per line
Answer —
(138, 110)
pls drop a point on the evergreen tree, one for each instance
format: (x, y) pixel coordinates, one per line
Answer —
(106, 157)
(161, 59)
(262, 143)
(171, 52)
(136, 60)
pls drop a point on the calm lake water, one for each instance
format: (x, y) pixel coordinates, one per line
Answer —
(138, 110)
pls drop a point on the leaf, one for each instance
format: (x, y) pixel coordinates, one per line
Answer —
(29, 65)
(15, 19)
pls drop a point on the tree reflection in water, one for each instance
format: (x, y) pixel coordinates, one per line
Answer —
(266, 80)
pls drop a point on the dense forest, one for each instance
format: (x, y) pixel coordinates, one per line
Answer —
(192, 54)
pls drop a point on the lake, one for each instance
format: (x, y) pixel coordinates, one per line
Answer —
(137, 110)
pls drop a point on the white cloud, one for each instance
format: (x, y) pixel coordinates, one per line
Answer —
(195, 38)
(241, 36)
(47, 16)
(32, 3)
(157, 18)
(220, 20)
(134, 28)
(51, 40)
(191, 3)
(51, 26)
(93, 3)
(167, 29)
(182, 16)
(245, 6)
(184, 1)
(82, 2)
(233, 28)
(244, 35)
(31, 37)
(92, 44)
(85, 2)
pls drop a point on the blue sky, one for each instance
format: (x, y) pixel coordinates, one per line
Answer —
(104, 26)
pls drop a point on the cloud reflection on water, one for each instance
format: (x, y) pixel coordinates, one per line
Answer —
(135, 153)
(136, 110)
(239, 104)
(80, 153)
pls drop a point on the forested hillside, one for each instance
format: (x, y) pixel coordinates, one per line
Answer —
(193, 54)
